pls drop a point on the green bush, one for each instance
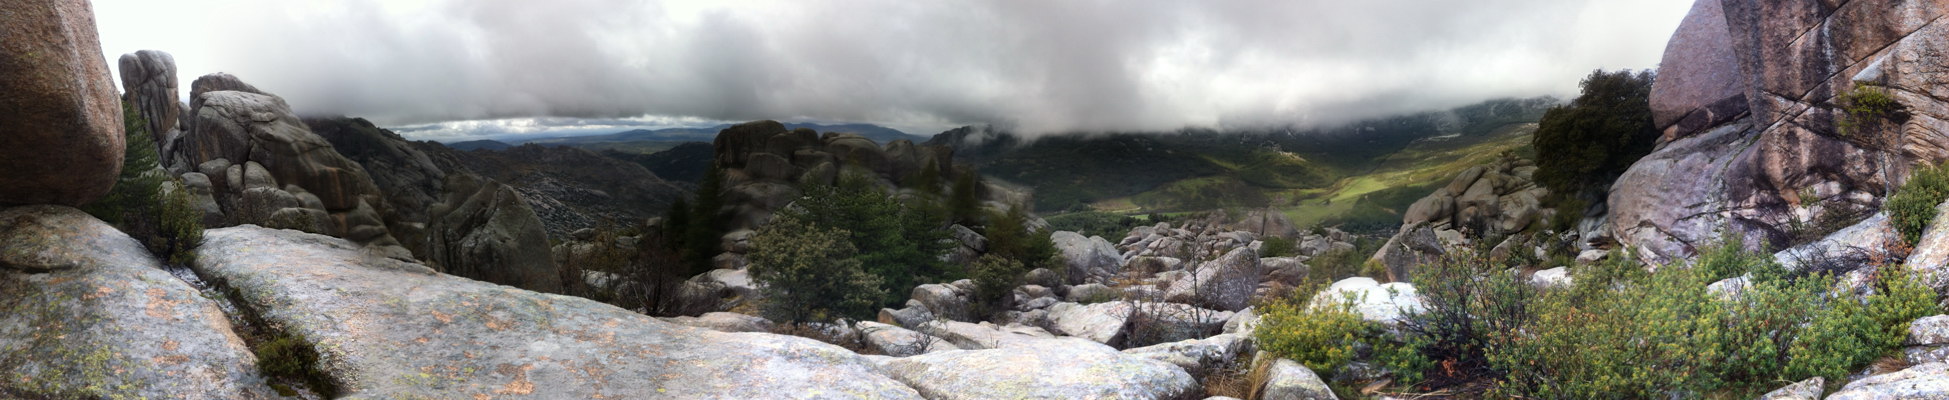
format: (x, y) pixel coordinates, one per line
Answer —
(995, 276)
(1912, 207)
(1866, 109)
(1597, 136)
(1009, 236)
(809, 273)
(898, 243)
(1323, 338)
(1275, 246)
(1847, 333)
(1468, 301)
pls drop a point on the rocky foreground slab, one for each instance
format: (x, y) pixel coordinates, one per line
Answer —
(391, 329)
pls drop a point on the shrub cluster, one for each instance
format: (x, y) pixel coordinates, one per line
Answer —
(1912, 207)
(810, 272)
(1619, 331)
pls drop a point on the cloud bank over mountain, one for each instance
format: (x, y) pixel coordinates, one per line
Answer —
(914, 65)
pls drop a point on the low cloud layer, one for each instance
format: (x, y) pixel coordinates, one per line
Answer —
(919, 66)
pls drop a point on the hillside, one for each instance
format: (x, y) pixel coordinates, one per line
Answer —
(1297, 171)
(649, 141)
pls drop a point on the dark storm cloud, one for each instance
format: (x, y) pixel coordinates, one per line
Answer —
(1039, 66)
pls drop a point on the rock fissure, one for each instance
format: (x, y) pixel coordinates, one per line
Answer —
(287, 360)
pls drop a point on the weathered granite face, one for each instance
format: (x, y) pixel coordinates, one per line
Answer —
(1788, 159)
(1700, 83)
(60, 124)
(390, 329)
(88, 313)
(1066, 368)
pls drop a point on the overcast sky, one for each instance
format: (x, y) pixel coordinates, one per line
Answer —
(920, 66)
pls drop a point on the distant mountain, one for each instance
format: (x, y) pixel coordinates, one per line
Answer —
(1196, 169)
(648, 141)
(479, 145)
(687, 162)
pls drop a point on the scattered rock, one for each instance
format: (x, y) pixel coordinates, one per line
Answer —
(1287, 379)
(1385, 303)
(1926, 381)
(1809, 389)
(1224, 284)
(900, 342)
(1558, 277)
(1197, 356)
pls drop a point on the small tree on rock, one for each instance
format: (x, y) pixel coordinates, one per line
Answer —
(809, 273)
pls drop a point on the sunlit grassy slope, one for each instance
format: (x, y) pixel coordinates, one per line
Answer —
(1380, 195)
(1372, 198)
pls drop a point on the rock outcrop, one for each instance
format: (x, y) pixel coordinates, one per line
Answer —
(149, 84)
(572, 189)
(61, 136)
(485, 230)
(457, 221)
(1044, 369)
(1772, 151)
(90, 314)
(392, 329)
(265, 167)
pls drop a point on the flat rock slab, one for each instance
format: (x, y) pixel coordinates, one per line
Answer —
(110, 323)
(390, 329)
(1067, 368)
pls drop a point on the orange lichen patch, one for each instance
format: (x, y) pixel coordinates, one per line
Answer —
(497, 324)
(422, 340)
(482, 396)
(171, 360)
(100, 292)
(521, 384)
(444, 318)
(170, 345)
(159, 303)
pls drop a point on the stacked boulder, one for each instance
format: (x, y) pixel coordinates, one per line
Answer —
(1500, 199)
(246, 158)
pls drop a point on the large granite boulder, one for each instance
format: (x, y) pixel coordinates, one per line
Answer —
(1288, 380)
(490, 234)
(392, 329)
(1100, 322)
(1198, 356)
(1046, 369)
(1087, 259)
(1699, 84)
(1227, 283)
(61, 136)
(88, 313)
(1388, 303)
(1790, 159)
